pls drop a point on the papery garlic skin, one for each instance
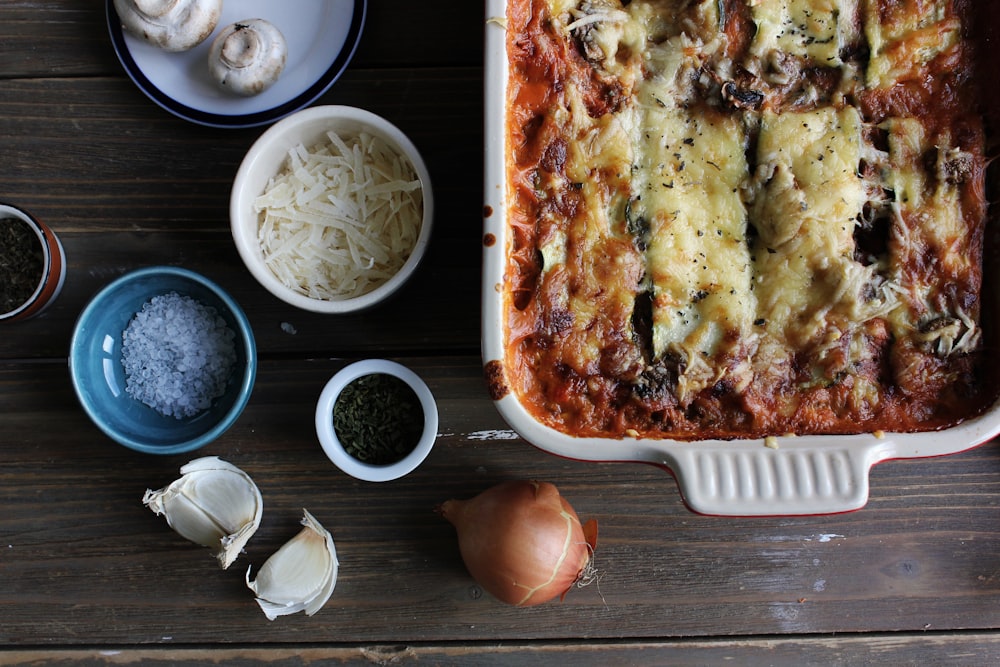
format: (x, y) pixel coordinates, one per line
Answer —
(172, 25)
(300, 576)
(212, 503)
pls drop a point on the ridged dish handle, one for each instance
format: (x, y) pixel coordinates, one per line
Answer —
(823, 478)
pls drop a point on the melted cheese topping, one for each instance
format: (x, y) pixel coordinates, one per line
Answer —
(928, 214)
(814, 295)
(687, 183)
(805, 215)
(712, 240)
(906, 36)
(816, 30)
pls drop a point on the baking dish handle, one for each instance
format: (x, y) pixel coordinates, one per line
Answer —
(823, 478)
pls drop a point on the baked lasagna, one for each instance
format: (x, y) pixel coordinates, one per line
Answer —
(744, 218)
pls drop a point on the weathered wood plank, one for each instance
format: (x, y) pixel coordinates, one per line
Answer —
(62, 38)
(964, 649)
(84, 563)
(124, 185)
(418, 318)
(95, 155)
(87, 575)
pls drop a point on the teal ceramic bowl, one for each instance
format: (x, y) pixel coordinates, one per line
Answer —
(98, 374)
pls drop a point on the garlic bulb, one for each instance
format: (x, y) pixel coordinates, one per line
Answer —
(172, 25)
(300, 576)
(213, 503)
(247, 57)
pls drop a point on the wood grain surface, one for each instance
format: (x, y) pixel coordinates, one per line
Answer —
(88, 575)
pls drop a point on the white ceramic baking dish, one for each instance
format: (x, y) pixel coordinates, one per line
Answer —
(787, 476)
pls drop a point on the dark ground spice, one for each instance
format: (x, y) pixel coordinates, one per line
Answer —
(378, 419)
(21, 263)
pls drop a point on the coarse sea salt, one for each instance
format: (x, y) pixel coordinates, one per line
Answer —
(178, 355)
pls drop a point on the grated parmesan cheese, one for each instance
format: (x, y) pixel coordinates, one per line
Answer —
(341, 217)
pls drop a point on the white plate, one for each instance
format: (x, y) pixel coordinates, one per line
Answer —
(322, 36)
(819, 474)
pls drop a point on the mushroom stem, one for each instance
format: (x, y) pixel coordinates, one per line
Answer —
(247, 57)
(241, 47)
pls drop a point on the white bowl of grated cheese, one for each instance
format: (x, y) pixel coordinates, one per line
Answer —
(331, 209)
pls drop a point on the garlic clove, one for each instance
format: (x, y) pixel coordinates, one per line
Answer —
(300, 576)
(213, 503)
(186, 518)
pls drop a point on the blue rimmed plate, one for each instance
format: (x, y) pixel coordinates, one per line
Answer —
(322, 36)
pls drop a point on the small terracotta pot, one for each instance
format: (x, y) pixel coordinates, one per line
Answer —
(53, 266)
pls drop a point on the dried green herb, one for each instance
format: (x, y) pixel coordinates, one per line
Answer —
(378, 419)
(21, 263)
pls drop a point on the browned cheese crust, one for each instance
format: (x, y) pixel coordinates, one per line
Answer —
(738, 219)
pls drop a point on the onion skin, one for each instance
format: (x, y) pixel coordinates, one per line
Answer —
(522, 541)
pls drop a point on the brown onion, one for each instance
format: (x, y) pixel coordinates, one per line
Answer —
(522, 541)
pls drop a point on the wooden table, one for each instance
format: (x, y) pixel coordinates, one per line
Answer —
(87, 572)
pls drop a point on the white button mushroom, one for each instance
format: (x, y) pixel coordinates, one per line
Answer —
(247, 57)
(172, 25)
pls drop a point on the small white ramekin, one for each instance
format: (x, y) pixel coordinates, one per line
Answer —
(332, 446)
